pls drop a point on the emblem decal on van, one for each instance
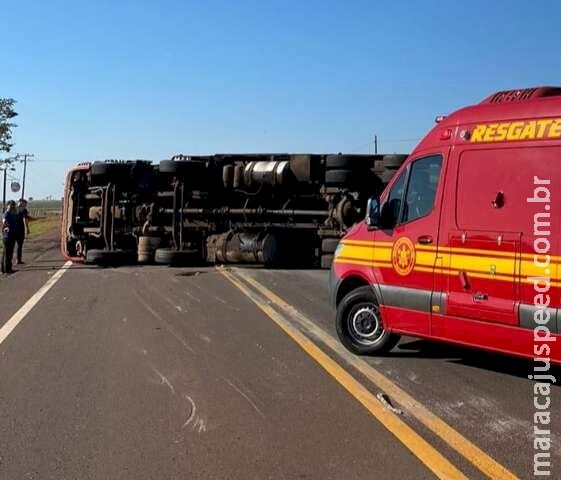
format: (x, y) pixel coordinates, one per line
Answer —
(403, 256)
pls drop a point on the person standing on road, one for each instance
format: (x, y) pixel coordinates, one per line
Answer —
(23, 227)
(9, 235)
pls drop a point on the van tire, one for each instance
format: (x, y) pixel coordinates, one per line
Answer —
(359, 324)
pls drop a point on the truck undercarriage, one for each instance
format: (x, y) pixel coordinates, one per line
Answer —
(272, 209)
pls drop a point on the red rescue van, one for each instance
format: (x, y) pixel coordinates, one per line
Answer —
(464, 244)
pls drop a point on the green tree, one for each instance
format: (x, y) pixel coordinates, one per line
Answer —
(7, 112)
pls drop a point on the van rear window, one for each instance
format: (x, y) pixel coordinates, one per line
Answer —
(493, 186)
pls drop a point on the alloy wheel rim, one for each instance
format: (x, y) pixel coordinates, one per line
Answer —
(365, 325)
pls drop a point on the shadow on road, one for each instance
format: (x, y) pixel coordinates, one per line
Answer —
(509, 365)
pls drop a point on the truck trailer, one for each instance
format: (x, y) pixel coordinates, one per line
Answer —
(272, 209)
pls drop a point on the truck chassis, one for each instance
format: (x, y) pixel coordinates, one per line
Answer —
(272, 209)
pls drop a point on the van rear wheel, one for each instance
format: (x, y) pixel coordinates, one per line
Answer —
(359, 324)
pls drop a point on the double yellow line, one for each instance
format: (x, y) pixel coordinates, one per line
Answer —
(424, 451)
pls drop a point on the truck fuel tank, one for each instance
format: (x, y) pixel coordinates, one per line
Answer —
(231, 247)
(273, 173)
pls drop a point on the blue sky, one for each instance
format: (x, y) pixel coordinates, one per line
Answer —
(147, 79)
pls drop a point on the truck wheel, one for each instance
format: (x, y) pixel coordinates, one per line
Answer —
(386, 176)
(340, 178)
(181, 167)
(109, 168)
(393, 161)
(177, 258)
(326, 261)
(102, 173)
(348, 162)
(359, 324)
(110, 257)
(329, 245)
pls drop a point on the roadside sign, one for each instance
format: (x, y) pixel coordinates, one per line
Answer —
(15, 186)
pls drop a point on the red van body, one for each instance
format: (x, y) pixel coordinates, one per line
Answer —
(465, 228)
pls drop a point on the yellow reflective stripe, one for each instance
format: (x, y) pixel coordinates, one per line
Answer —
(367, 243)
(366, 253)
(480, 264)
(425, 258)
(365, 263)
(505, 264)
(530, 269)
(541, 258)
(479, 251)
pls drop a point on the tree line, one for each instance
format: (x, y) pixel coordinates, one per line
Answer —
(7, 113)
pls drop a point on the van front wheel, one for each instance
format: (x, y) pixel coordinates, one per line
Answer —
(359, 324)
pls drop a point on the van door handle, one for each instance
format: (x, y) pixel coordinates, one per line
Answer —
(424, 239)
(480, 297)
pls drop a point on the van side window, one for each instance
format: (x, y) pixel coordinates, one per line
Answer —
(421, 188)
(395, 197)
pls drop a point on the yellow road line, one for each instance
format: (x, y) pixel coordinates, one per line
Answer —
(480, 459)
(425, 452)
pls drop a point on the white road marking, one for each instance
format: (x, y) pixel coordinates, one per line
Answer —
(17, 317)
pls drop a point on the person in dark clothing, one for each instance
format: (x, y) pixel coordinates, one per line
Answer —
(23, 227)
(9, 235)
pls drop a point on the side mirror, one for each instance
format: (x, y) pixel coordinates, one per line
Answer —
(373, 212)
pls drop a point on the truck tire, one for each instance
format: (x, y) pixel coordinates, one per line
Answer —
(102, 173)
(181, 167)
(177, 258)
(326, 261)
(329, 245)
(348, 162)
(386, 176)
(110, 257)
(340, 178)
(109, 168)
(393, 161)
(359, 324)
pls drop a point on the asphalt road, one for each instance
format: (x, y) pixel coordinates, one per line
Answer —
(158, 373)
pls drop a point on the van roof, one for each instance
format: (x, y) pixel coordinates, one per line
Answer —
(503, 106)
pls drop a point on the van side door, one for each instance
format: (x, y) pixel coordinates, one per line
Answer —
(484, 246)
(406, 244)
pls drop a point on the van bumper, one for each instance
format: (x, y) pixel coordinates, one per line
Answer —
(333, 286)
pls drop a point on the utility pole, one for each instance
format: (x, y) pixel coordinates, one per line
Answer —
(6, 164)
(25, 157)
(4, 190)
(375, 144)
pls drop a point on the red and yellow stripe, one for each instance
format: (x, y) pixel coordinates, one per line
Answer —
(478, 263)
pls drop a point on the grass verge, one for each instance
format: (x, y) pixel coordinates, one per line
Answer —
(42, 226)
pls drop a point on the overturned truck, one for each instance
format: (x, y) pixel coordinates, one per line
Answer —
(272, 209)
